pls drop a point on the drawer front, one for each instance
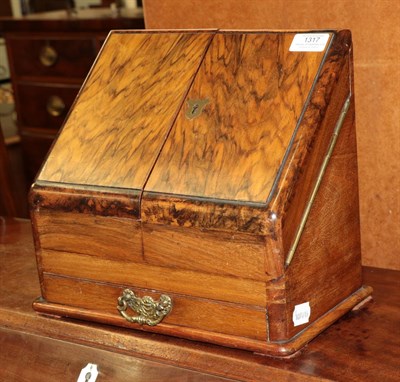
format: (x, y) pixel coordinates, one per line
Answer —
(44, 106)
(99, 302)
(52, 57)
(137, 272)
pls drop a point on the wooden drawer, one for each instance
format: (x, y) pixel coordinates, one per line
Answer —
(139, 274)
(64, 58)
(188, 313)
(44, 106)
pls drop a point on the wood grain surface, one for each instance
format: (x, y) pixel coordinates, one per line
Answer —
(322, 113)
(125, 109)
(256, 90)
(330, 243)
(71, 198)
(188, 317)
(97, 236)
(51, 360)
(141, 275)
(377, 79)
(362, 346)
(326, 265)
(203, 214)
(291, 201)
(212, 252)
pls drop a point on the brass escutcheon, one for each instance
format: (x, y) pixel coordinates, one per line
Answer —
(195, 107)
(150, 312)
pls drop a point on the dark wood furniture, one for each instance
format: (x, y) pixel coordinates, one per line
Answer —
(5, 8)
(49, 5)
(363, 346)
(50, 55)
(7, 200)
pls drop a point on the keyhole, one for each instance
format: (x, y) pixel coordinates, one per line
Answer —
(88, 376)
(195, 107)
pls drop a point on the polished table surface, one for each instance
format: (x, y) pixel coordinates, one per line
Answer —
(362, 346)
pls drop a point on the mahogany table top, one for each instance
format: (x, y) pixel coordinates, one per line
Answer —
(362, 346)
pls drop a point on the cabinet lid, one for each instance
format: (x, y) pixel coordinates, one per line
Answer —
(197, 114)
(125, 109)
(249, 94)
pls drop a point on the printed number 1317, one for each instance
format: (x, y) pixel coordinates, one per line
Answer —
(312, 40)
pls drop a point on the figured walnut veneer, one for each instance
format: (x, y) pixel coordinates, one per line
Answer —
(91, 146)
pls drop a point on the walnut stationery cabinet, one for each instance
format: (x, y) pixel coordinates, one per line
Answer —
(206, 187)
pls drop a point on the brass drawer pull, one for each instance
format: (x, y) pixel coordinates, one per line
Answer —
(48, 56)
(55, 106)
(150, 312)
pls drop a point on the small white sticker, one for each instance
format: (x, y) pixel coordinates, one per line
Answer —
(88, 374)
(301, 314)
(309, 42)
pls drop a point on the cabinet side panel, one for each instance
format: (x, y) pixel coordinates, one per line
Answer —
(317, 149)
(296, 187)
(326, 267)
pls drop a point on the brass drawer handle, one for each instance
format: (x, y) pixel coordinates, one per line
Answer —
(55, 106)
(150, 312)
(48, 56)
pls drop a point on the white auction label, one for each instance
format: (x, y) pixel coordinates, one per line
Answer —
(309, 42)
(89, 373)
(301, 314)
